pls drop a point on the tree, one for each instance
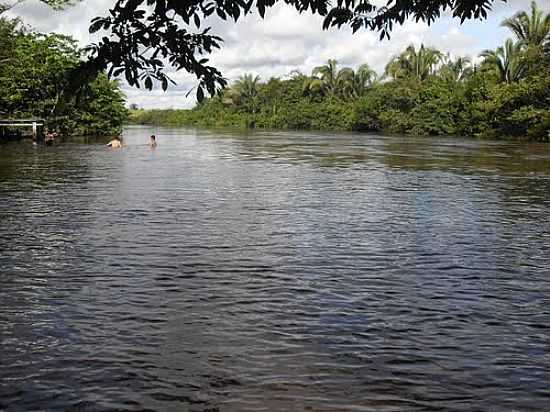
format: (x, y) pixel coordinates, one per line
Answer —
(345, 83)
(531, 30)
(327, 78)
(9, 33)
(245, 91)
(508, 61)
(35, 80)
(414, 64)
(364, 79)
(456, 70)
(100, 109)
(143, 34)
(247, 86)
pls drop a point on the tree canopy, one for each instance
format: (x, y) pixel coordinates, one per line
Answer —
(418, 64)
(142, 36)
(36, 80)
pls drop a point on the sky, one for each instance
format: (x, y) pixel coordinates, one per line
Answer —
(285, 41)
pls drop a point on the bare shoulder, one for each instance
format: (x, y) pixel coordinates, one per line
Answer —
(115, 143)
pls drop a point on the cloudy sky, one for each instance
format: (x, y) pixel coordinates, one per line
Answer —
(286, 41)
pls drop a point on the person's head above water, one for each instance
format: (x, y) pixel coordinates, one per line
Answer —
(153, 137)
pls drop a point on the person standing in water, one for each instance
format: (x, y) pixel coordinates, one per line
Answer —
(152, 141)
(116, 143)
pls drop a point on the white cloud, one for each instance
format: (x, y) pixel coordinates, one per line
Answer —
(157, 99)
(73, 20)
(286, 40)
(507, 5)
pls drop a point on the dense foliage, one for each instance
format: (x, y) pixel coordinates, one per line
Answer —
(37, 79)
(423, 92)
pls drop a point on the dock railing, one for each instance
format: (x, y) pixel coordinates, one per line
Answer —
(35, 123)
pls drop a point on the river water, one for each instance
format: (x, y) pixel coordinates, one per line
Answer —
(275, 271)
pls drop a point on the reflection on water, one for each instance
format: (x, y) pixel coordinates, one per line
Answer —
(275, 271)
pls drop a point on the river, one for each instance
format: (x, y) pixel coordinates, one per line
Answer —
(275, 271)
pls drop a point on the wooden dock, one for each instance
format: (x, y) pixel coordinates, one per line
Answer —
(36, 124)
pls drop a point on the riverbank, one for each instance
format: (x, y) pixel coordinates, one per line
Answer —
(477, 107)
(422, 91)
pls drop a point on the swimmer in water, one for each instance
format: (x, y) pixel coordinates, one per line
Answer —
(116, 143)
(152, 142)
(49, 138)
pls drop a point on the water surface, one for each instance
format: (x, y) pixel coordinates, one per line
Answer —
(275, 271)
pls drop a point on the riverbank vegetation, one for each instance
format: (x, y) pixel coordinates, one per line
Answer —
(423, 91)
(38, 78)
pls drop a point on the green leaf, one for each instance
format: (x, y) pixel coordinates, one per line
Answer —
(148, 83)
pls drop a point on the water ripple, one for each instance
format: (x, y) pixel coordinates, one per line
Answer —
(275, 271)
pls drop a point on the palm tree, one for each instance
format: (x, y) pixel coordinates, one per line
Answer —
(312, 85)
(244, 90)
(346, 82)
(330, 79)
(531, 30)
(456, 70)
(416, 64)
(364, 78)
(354, 84)
(247, 86)
(507, 61)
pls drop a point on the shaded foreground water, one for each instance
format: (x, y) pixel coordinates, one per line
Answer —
(275, 271)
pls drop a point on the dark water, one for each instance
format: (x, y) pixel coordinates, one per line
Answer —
(275, 272)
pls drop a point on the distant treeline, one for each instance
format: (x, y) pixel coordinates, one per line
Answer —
(39, 78)
(423, 92)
